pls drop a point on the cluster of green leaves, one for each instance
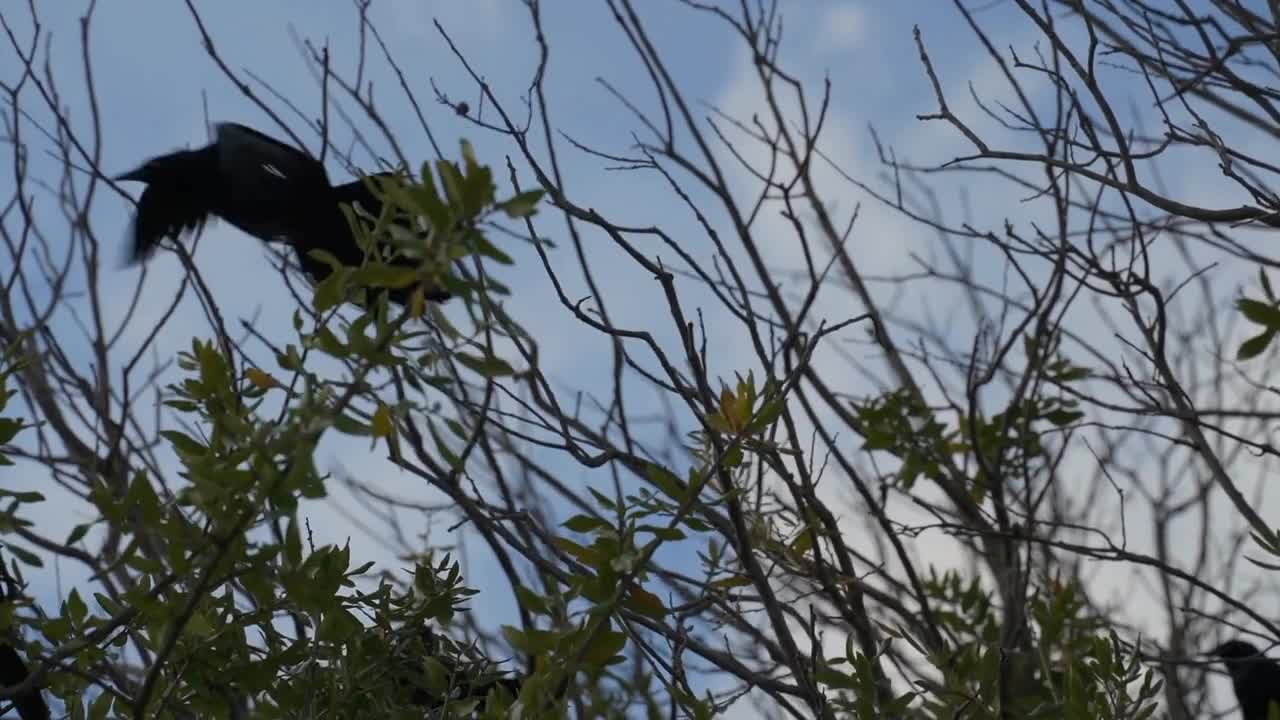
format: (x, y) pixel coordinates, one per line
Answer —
(579, 637)
(14, 610)
(1076, 666)
(375, 654)
(11, 362)
(1264, 312)
(1085, 668)
(965, 609)
(741, 420)
(432, 225)
(213, 587)
(854, 680)
(898, 423)
(1011, 440)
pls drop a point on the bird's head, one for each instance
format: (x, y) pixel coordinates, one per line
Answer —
(1232, 650)
(1240, 658)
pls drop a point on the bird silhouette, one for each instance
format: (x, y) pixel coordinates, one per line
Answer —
(29, 705)
(265, 188)
(13, 671)
(1256, 678)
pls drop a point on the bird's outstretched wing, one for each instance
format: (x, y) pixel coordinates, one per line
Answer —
(255, 182)
(270, 190)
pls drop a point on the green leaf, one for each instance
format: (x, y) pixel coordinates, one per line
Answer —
(584, 555)
(803, 543)
(584, 523)
(382, 275)
(30, 496)
(330, 291)
(452, 182)
(479, 189)
(348, 425)
(644, 602)
(337, 626)
(382, 424)
(77, 533)
(604, 500)
(100, 706)
(1259, 312)
(604, 647)
(488, 366)
(74, 607)
(839, 680)
(290, 359)
(184, 444)
(325, 257)
(664, 533)
(531, 642)
(733, 581)
(489, 250)
(24, 555)
(666, 481)
(330, 344)
(717, 422)
(260, 378)
(9, 427)
(425, 199)
(521, 206)
(142, 498)
(532, 600)
(768, 414)
(1255, 345)
(1074, 373)
(1063, 417)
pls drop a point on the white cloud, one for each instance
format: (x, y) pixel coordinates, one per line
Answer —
(842, 27)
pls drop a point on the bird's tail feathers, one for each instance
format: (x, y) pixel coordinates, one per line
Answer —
(163, 213)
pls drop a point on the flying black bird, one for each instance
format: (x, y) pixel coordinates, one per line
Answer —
(1255, 677)
(269, 190)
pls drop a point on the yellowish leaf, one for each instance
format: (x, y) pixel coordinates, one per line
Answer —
(418, 303)
(260, 378)
(382, 425)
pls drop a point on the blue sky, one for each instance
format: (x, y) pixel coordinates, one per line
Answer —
(151, 71)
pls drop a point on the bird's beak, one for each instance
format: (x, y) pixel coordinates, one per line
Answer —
(137, 175)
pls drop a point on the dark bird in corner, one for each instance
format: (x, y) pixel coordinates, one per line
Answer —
(13, 671)
(29, 705)
(1255, 677)
(269, 190)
